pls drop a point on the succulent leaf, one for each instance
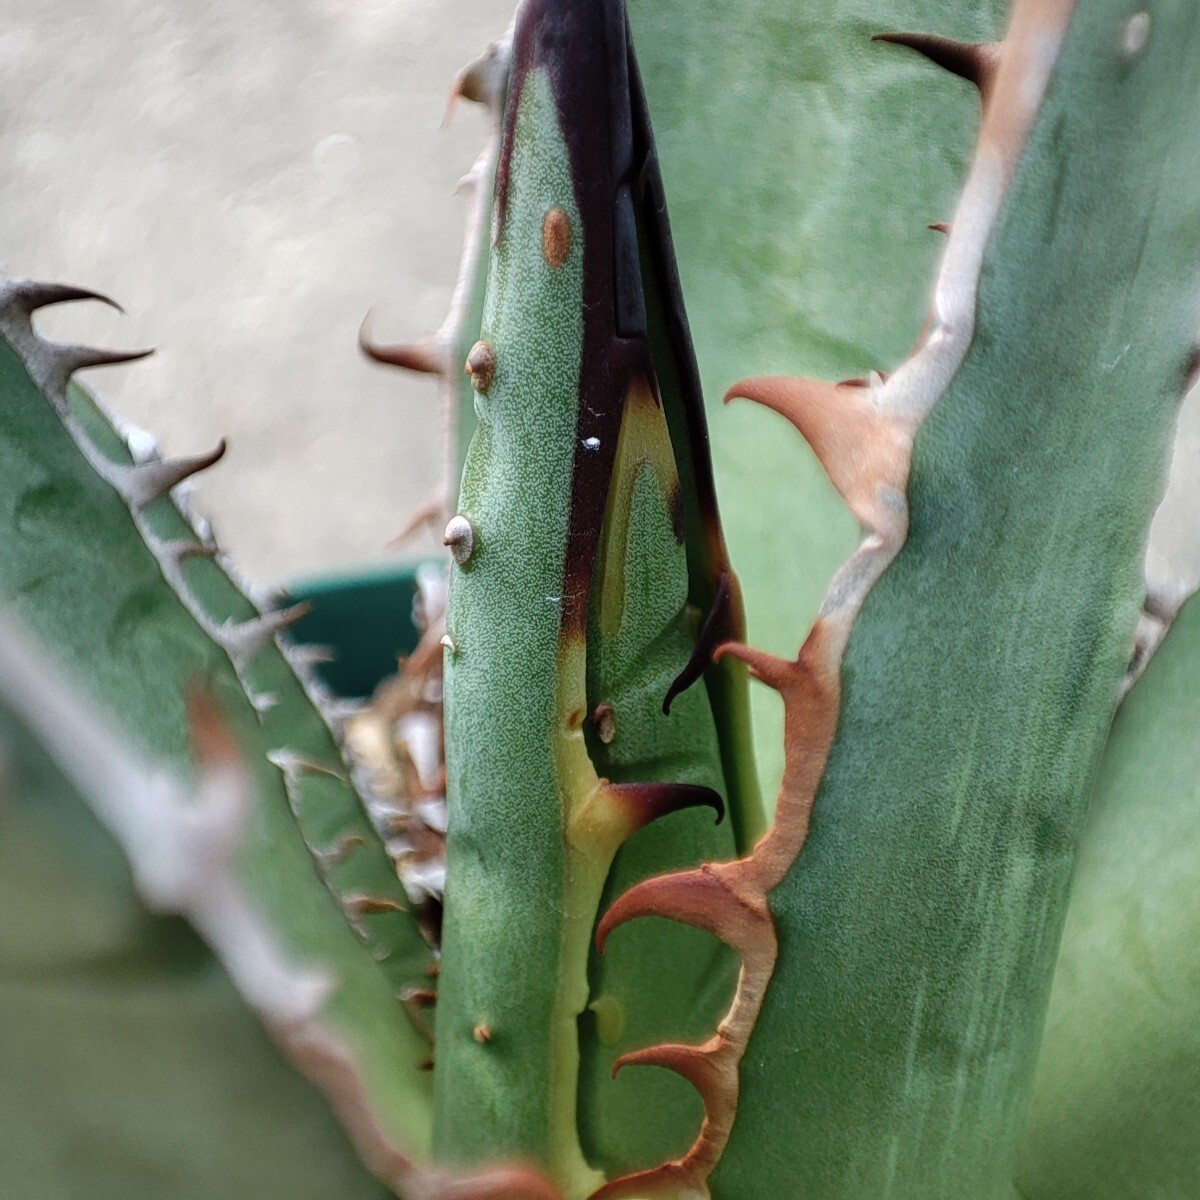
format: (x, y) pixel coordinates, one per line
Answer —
(138, 1063)
(850, 1001)
(916, 932)
(101, 563)
(594, 534)
(1116, 1100)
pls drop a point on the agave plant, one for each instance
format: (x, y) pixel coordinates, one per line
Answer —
(954, 957)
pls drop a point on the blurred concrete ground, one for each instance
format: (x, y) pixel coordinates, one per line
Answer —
(247, 180)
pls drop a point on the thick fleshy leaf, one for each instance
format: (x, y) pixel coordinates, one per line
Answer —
(588, 561)
(131, 1069)
(100, 563)
(986, 622)
(1116, 1102)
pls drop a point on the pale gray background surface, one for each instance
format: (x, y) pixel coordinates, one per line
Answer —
(248, 179)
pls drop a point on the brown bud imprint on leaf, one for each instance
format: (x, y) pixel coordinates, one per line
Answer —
(481, 366)
(605, 720)
(556, 237)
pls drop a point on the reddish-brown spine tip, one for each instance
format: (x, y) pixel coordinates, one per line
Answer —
(423, 356)
(646, 802)
(699, 1065)
(701, 898)
(975, 62)
(771, 670)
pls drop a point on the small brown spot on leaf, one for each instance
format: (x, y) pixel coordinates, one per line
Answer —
(483, 1034)
(481, 366)
(556, 237)
(605, 720)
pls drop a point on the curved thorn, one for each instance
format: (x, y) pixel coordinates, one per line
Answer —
(359, 904)
(424, 356)
(294, 766)
(697, 1064)
(481, 81)
(340, 852)
(31, 294)
(181, 550)
(792, 396)
(79, 358)
(311, 654)
(775, 672)
(860, 447)
(429, 514)
(975, 62)
(646, 802)
(940, 227)
(147, 482)
(245, 639)
(700, 898)
(720, 623)
(469, 84)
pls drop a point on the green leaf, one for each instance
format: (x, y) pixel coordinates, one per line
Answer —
(96, 578)
(919, 926)
(1116, 1102)
(131, 1069)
